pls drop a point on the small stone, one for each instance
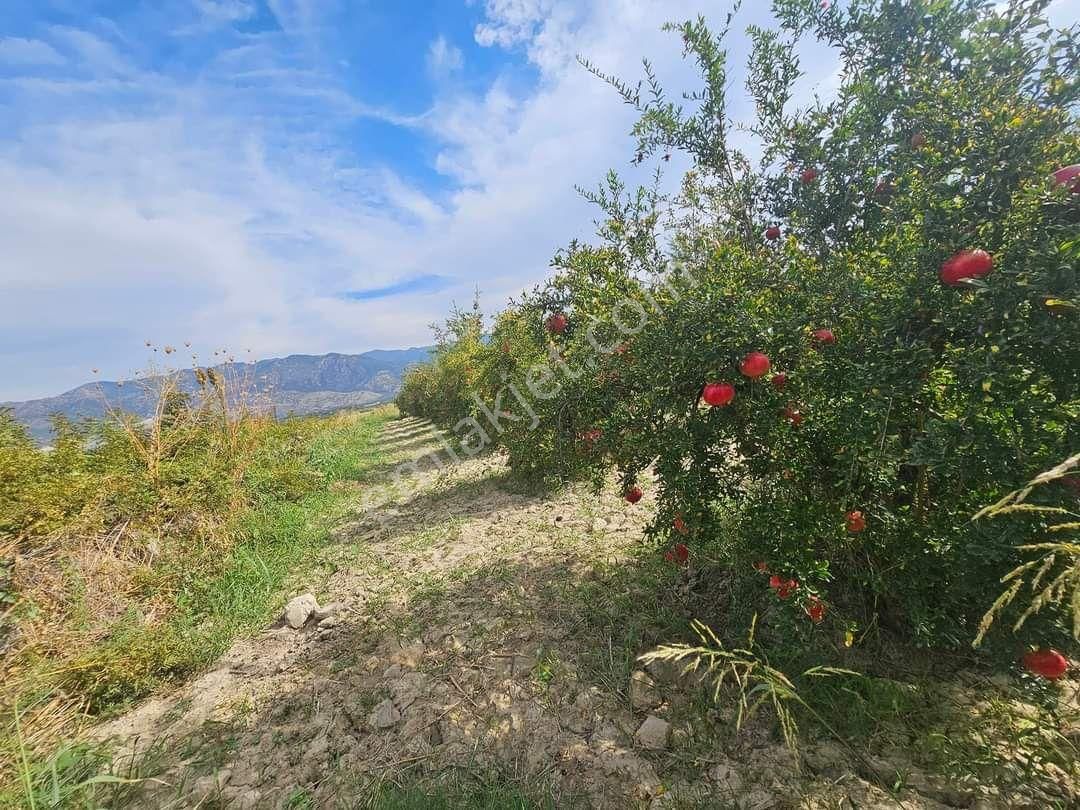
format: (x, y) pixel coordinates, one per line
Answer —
(664, 671)
(299, 610)
(329, 622)
(653, 733)
(727, 778)
(824, 755)
(408, 689)
(384, 715)
(320, 614)
(644, 696)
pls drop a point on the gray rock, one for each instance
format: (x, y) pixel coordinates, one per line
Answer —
(825, 755)
(329, 622)
(299, 610)
(384, 716)
(407, 689)
(727, 779)
(332, 609)
(644, 696)
(653, 733)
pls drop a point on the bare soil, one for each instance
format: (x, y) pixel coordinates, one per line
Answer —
(457, 645)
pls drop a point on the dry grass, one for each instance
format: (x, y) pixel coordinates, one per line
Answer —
(103, 533)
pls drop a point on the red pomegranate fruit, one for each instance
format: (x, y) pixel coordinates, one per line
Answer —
(779, 380)
(793, 415)
(556, 324)
(808, 175)
(680, 525)
(679, 554)
(815, 609)
(1069, 176)
(772, 233)
(718, 394)
(855, 521)
(1046, 663)
(754, 365)
(783, 587)
(823, 337)
(966, 264)
(633, 495)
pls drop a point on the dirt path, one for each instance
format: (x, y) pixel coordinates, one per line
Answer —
(455, 645)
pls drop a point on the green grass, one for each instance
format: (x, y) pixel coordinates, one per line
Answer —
(459, 794)
(281, 538)
(291, 506)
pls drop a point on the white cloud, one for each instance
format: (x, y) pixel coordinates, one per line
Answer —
(511, 22)
(225, 11)
(443, 58)
(18, 51)
(100, 56)
(224, 210)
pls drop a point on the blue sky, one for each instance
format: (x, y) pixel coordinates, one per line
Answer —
(301, 175)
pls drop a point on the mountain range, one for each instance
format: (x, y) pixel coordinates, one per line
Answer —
(297, 384)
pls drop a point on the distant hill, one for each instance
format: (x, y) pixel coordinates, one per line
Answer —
(299, 383)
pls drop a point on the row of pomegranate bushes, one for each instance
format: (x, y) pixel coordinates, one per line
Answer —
(832, 357)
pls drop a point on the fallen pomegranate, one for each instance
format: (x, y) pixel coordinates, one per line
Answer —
(1046, 663)
(855, 521)
(633, 495)
(1068, 176)
(754, 365)
(966, 264)
(556, 324)
(779, 380)
(808, 175)
(772, 233)
(718, 394)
